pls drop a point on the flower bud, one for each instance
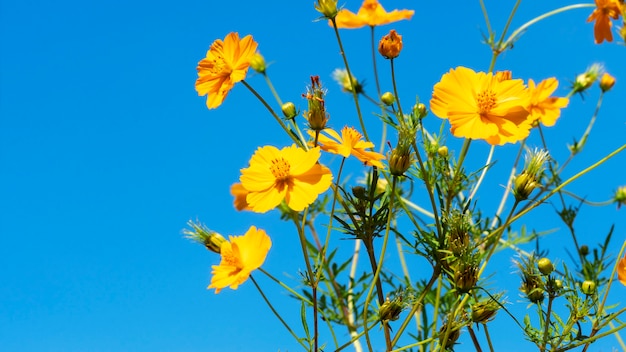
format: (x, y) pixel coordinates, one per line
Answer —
(399, 161)
(584, 250)
(585, 80)
(484, 311)
(348, 83)
(289, 110)
(465, 277)
(359, 192)
(390, 45)
(388, 98)
(545, 266)
(443, 151)
(607, 82)
(390, 310)
(210, 239)
(419, 110)
(588, 287)
(328, 8)
(257, 62)
(316, 115)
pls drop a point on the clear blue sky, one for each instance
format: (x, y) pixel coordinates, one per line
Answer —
(106, 151)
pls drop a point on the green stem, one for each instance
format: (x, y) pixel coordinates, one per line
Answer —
(354, 93)
(523, 27)
(278, 119)
(300, 341)
(395, 89)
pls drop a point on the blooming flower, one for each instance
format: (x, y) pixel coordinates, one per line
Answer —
(390, 45)
(621, 271)
(543, 107)
(350, 142)
(225, 64)
(605, 10)
(240, 256)
(240, 194)
(372, 14)
(481, 106)
(290, 174)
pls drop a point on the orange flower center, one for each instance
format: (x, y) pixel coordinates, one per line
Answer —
(486, 100)
(280, 169)
(230, 259)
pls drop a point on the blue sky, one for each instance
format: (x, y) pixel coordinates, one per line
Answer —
(106, 151)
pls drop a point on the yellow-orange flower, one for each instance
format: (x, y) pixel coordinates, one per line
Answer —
(390, 45)
(240, 194)
(605, 10)
(225, 64)
(543, 107)
(240, 256)
(607, 81)
(482, 106)
(290, 174)
(350, 142)
(621, 271)
(372, 14)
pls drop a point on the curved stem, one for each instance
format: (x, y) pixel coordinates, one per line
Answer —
(523, 27)
(483, 173)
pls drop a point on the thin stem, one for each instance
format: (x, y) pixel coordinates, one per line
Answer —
(395, 87)
(273, 113)
(488, 337)
(300, 341)
(474, 339)
(546, 329)
(272, 89)
(487, 22)
(483, 173)
(523, 27)
(354, 93)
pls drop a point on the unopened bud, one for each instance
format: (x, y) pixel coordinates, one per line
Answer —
(390, 310)
(443, 151)
(289, 110)
(545, 266)
(388, 98)
(620, 196)
(210, 239)
(584, 250)
(607, 82)
(399, 161)
(585, 80)
(484, 311)
(588, 287)
(390, 45)
(328, 8)
(257, 62)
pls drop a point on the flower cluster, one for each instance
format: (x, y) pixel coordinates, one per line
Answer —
(418, 191)
(493, 107)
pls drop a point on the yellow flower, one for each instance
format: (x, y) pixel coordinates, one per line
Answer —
(350, 142)
(240, 194)
(482, 106)
(290, 174)
(621, 270)
(225, 64)
(543, 107)
(372, 14)
(390, 45)
(240, 256)
(605, 10)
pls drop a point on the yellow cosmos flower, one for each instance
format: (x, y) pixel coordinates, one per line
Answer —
(482, 106)
(621, 271)
(605, 10)
(225, 64)
(240, 256)
(543, 107)
(350, 142)
(290, 174)
(372, 14)
(240, 194)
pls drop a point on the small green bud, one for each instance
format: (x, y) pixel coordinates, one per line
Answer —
(620, 196)
(545, 266)
(390, 310)
(210, 239)
(484, 311)
(585, 80)
(328, 8)
(399, 162)
(443, 151)
(289, 110)
(419, 110)
(359, 192)
(388, 98)
(588, 287)
(584, 250)
(257, 62)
